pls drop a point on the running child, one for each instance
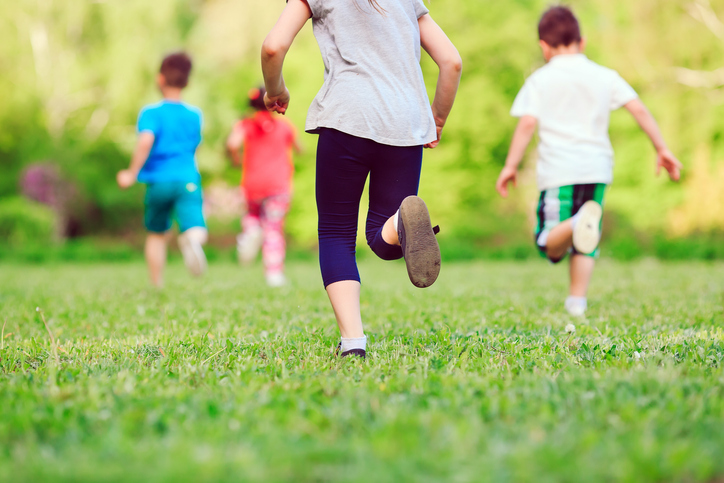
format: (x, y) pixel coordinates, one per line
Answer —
(569, 100)
(373, 118)
(266, 184)
(165, 160)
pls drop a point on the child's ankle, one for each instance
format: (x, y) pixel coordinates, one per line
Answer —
(356, 343)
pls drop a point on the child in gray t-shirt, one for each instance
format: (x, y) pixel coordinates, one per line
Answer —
(373, 118)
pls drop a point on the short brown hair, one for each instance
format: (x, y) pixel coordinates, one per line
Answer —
(558, 26)
(176, 68)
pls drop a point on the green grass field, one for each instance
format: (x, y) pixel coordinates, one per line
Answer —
(474, 379)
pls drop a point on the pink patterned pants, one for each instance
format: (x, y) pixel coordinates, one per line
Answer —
(266, 217)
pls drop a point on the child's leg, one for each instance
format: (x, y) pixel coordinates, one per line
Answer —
(340, 179)
(394, 180)
(560, 240)
(581, 270)
(274, 210)
(249, 241)
(344, 297)
(158, 206)
(394, 176)
(155, 251)
(190, 217)
(198, 234)
(251, 222)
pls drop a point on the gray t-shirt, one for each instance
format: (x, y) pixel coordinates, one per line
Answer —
(373, 85)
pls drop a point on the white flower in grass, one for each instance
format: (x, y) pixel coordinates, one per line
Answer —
(637, 355)
(570, 328)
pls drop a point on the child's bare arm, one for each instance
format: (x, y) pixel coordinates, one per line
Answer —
(127, 177)
(448, 60)
(665, 159)
(275, 48)
(234, 143)
(522, 137)
(297, 146)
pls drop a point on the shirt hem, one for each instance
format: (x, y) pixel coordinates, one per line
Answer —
(373, 137)
(196, 179)
(571, 182)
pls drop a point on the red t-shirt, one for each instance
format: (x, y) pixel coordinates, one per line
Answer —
(267, 166)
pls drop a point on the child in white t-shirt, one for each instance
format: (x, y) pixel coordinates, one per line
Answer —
(569, 100)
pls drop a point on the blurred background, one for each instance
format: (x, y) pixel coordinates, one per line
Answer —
(74, 74)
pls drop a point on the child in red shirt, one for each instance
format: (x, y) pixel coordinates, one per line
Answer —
(266, 184)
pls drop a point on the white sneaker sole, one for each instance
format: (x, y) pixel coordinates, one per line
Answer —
(587, 233)
(193, 254)
(419, 245)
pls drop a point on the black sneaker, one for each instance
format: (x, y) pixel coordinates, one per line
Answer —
(352, 352)
(355, 352)
(418, 242)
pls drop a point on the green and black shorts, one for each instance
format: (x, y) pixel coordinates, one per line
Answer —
(556, 205)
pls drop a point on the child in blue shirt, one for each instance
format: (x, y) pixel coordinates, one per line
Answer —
(165, 160)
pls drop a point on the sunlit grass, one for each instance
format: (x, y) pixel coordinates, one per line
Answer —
(475, 379)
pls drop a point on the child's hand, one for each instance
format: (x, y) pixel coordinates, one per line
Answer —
(666, 160)
(278, 103)
(126, 178)
(434, 144)
(509, 174)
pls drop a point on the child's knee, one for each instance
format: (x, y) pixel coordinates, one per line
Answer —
(555, 259)
(198, 234)
(382, 249)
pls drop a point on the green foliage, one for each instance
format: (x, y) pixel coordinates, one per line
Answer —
(474, 379)
(77, 251)
(24, 222)
(74, 78)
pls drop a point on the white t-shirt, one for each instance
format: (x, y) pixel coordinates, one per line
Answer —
(572, 98)
(373, 84)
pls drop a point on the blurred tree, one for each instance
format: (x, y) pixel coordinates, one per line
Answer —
(73, 76)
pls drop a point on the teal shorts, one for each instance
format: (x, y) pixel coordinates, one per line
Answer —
(173, 200)
(556, 205)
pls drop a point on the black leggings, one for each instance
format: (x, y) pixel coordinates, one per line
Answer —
(343, 163)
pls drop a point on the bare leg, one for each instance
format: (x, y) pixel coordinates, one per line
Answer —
(389, 234)
(156, 256)
(198, 234)
(581, 271)
(560, 240)
(344, 296)
(190, 243)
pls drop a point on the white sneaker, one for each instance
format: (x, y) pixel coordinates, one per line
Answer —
(248, 245)
(576, 306)
(276, 279)
(193, 254)
(587, 233)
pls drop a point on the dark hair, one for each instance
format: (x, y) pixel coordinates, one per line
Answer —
(264, 124)
(256, 98)
(558, 26)
(176, 68)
